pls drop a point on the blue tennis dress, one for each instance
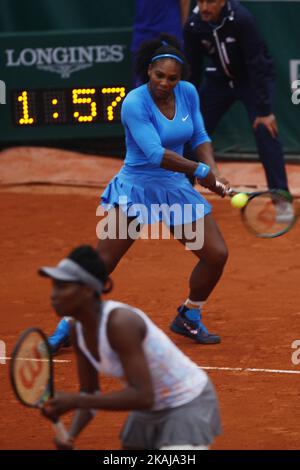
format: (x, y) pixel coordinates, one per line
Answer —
(142, 188)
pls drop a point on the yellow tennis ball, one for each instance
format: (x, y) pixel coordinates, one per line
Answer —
(239, 200)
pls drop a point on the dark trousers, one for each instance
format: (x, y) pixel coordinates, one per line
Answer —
(216, 98)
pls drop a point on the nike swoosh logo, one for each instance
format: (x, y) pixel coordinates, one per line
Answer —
(185, 118)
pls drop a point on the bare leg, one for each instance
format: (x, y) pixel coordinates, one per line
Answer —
(212, 259)
(204, 277)
(112, 249)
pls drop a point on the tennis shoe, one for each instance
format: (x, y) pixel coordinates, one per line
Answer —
(192, 329)
(284, 212)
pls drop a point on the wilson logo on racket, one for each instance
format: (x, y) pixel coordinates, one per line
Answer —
(30, 371)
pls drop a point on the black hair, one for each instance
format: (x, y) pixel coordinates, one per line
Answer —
(163, 44)
(89, 259)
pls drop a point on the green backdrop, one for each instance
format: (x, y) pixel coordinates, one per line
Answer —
(42, 15)
(278, 21)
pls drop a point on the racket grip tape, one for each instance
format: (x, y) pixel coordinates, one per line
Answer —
(228, 191)
(61, 432)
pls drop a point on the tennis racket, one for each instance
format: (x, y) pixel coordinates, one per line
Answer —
(31, 373)
(267, 214)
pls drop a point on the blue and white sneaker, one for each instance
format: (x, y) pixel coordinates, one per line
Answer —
(192, 329)
(61, 336)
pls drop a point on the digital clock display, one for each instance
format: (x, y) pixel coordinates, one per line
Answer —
(81, 106)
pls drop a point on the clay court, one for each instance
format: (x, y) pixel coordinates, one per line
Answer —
(255, 308)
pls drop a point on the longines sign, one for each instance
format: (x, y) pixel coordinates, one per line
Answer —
(64, 60)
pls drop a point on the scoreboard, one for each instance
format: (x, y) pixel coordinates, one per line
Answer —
(67, 106)
(64, 85)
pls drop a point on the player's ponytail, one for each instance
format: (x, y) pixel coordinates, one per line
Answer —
(163, 44)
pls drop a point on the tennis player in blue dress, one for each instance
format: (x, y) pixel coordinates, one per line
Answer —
(159, 117)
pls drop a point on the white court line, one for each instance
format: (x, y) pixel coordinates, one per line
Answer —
(35, 360)
(225, 369)
(248, 369)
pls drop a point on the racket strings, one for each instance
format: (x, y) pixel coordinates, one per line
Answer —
(32, 370)
(269, 215)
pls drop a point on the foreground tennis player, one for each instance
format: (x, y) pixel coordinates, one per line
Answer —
(172, 401)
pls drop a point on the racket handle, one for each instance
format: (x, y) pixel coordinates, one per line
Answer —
(61, 432)
(228, 191)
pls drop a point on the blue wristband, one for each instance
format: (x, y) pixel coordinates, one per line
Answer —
(202, 170)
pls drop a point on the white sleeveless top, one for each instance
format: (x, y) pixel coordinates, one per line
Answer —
(176, 379)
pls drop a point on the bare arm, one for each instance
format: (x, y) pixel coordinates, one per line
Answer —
(125, 333)
(174, 162)
(205, 154)
(88, 380)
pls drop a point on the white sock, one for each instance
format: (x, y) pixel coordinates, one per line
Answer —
(194, 303)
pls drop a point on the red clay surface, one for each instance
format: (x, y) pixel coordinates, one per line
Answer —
(21, 165)
(255, 308)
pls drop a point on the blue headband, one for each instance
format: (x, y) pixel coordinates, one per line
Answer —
(165, 56)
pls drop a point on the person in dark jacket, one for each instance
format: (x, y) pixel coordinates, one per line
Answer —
(154, 17)
(240, 69)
